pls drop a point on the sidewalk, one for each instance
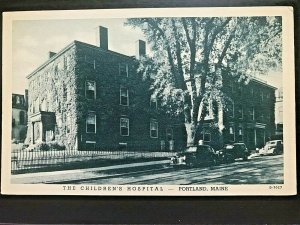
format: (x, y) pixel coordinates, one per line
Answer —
(78, 174)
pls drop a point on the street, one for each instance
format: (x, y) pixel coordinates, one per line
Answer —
(258, 170)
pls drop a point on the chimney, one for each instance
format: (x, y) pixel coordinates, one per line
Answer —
(51, 54)
(102, 37)
(140, 49)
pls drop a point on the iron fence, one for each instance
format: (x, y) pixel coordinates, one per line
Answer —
(24, 160)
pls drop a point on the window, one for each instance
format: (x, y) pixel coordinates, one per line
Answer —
(90, 89)
(262, 96)
(124, 126)
(240, 112)
(240, 133)
(18, 100)
(206, 136)
(252, 113)
(230, 109)
(239, 89)
(68, 125)
(169, 134)
(68, 62)
(123, 69)
(153, 129)
(153, 103)
(252, 92)
(231, 133)
(91, 122)
(124, 100)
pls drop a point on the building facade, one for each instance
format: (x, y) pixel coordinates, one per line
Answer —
(19, 117)
(88, 97)
(249, 115)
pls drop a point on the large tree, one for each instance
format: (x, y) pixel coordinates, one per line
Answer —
(191, 56)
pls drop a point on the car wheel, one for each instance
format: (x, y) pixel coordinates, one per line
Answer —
(214, 162)
(230, 159)
(190, 164)
(176, 167)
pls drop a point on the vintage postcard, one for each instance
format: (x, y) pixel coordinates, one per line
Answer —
(169, 102)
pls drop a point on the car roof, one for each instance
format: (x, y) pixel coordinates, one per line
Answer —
(196, 147)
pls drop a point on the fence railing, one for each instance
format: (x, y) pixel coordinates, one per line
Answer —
(24, 160)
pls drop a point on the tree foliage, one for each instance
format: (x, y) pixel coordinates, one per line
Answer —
(192, 56)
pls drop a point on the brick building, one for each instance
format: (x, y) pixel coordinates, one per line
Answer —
(249, 116)
(89, 97)
(19, 117)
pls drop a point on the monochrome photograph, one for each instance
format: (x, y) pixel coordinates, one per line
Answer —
(190, 101)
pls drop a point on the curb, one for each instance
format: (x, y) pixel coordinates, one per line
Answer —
(77, 174)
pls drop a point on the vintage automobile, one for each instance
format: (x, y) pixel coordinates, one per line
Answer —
(234, 151)
(273, 147)
(195, 156)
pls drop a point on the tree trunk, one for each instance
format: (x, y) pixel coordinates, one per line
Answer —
(191, 129)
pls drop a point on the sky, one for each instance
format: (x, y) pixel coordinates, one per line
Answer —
(33, 39)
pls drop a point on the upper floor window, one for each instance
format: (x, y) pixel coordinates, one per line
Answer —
(91, 122)
(169, 134)
(239, 89)
(252, 91)
(153, 128)
(124, 126)
(240, 112)
(68, 62)
(90, 89)
(124, 98)
(240, 133)
(153, 103)
(206, 136)
(230, 109)
(231, 133)
(262, 96)
(123, 69)
(252, 113)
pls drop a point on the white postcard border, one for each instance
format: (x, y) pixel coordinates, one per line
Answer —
(289, 186)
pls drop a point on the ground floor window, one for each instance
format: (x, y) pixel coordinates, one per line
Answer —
(231, 133)
(241, 134)
(91, 122)
(169, 134)
(153, 128)
(124, 126)
(206, 136)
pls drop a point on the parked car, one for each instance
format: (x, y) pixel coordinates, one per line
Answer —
(273, 147)
(195, 156)
(234, 151)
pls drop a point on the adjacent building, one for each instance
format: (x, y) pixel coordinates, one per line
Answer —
(279, 114)
(19, 117)
(249, 115)
(89, 97)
